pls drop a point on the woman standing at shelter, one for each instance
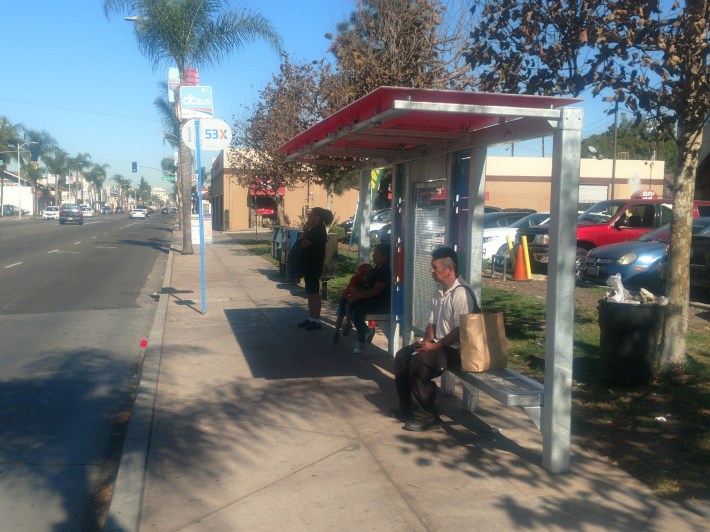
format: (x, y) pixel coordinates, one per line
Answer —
(313, 240)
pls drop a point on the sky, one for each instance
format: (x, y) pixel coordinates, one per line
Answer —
(71, 71)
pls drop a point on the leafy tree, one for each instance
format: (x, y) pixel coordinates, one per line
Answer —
(9, 136)
(191, 33)
(639, 139)
(409, 43)
(144, 190)
(292, 102)
(651, 55)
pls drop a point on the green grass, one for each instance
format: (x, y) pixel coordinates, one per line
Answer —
(621, 423)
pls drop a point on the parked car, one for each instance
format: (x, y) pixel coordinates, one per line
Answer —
(119, 210)
(494, 238)
(700, 259)
(641, 262)
(502, 218)
(50, 213)
(70, 213)
(9, 210)
(87, 211)
(138, 213)
(610, 222)
(378, 219)
(106, 210)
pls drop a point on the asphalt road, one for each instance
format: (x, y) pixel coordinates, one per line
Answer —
(74, 303)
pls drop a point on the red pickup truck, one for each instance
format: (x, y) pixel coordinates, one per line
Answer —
(609, 222)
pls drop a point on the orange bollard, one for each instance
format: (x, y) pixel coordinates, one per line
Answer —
(520, 274)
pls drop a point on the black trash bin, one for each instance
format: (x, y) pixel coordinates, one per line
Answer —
(628, 341)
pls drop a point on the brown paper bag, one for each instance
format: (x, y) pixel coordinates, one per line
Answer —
(483, 342)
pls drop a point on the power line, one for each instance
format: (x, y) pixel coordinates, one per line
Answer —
(75, 110)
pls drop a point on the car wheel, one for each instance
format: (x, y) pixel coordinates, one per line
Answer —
(579, 261)
(81, 222)
(61, 222)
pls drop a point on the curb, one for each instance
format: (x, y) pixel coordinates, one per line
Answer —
(127, 501)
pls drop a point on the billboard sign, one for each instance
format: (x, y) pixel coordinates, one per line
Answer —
(196, 102)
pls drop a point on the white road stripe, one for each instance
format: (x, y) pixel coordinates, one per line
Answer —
(75, 243)
(53, 251)
(13, 265)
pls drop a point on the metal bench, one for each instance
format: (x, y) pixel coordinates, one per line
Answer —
(508, 387)
(383, 322)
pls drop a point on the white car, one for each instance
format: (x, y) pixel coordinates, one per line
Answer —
(50, 213)
(138, 213)
(87, 211)
(494, 238)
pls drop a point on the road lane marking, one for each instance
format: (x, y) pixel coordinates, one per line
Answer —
(75, 243)
(53, 251)
(13, 265)
(93, 237)
(106, 247)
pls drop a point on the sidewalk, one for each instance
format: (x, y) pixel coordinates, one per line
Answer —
(260, 425)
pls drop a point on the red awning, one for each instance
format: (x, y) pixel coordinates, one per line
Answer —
(391, 121)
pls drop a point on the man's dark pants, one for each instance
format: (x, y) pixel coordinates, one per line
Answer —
(413, 374)
(361, 308)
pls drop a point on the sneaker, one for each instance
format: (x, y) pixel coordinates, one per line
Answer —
(370, 336)
(336, 337)
(421, 426)
(304, 323)
(359, 348)
(347, 327)
(313, 325)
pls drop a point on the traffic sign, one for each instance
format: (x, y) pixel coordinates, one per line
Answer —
(196, 102)
(215, 134)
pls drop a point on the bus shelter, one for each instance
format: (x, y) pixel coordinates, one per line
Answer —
(436, 143)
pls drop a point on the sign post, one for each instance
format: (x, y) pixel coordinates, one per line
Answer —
(212, 134)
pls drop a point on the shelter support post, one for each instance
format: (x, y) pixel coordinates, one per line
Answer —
(363, 245)
(474, 229)
(556, 417)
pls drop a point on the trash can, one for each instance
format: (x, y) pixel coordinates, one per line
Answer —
(628, 341)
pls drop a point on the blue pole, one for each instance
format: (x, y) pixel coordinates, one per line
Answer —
(199, 210)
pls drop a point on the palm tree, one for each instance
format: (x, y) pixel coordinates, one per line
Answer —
(44, 143)
(57, 163)
(191, 33)
(96, 177)
(79, 164)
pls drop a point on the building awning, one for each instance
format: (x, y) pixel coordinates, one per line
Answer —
(395, 124)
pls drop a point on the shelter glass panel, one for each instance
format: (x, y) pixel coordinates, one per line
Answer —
(429, 234)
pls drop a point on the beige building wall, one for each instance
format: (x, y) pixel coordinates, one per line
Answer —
(230, 201)
(524, 182)
(511, 182)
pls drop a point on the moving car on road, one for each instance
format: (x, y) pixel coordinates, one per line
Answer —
(139, 213)
(87, 211)
(106, 210)
(71, 213)
(50, 213)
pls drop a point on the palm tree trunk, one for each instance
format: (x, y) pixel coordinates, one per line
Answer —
(185, 170)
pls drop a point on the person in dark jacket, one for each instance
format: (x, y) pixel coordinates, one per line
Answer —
(313, 240)
(375, 298)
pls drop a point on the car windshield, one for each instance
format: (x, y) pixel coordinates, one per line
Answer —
(602, 212)
(534, 219)
(663, 233)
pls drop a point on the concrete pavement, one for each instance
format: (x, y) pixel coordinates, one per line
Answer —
(244, 421)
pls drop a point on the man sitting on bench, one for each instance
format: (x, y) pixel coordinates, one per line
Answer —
(416, 365)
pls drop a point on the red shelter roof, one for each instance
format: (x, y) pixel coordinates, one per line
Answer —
(394, 120)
